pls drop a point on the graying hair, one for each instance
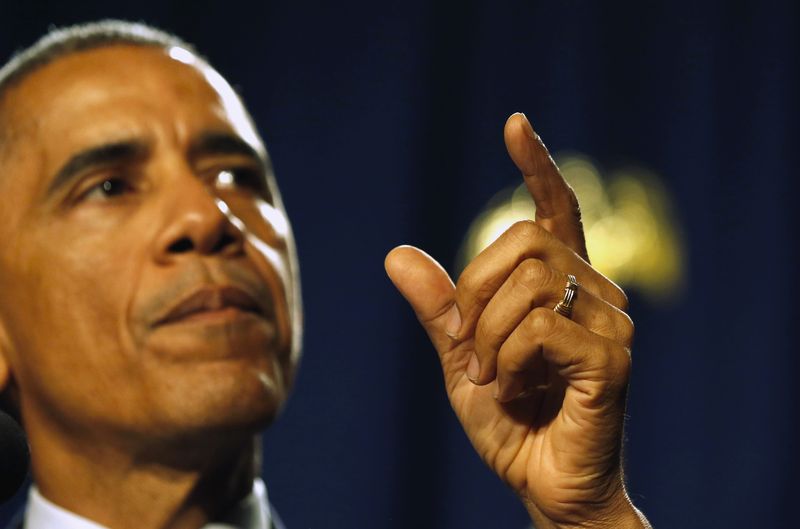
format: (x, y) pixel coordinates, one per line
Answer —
(59, 42)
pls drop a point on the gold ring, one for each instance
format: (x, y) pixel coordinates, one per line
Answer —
(564, 307)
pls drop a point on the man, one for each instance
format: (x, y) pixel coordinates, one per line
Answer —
(150, 317)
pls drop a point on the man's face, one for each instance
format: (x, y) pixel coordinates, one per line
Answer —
(145, 261)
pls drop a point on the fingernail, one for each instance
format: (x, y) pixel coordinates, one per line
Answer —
(473, 368)
(453, 322)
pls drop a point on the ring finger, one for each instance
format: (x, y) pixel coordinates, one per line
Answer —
(532, 284)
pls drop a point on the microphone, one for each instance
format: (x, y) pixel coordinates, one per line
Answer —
(14, 456)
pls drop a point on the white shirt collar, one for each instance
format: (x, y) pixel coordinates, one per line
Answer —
(251, 513)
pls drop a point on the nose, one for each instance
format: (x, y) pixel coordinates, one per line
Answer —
(196, 222)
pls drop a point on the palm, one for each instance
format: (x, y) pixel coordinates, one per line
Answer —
(532, 442)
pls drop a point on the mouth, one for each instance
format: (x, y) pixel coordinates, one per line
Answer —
(215, 304)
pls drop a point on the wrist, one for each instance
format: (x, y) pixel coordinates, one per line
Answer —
(626, 518)
(616, 514)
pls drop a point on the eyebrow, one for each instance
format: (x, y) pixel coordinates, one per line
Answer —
(126, 151)
(222, 143)
(102, 155)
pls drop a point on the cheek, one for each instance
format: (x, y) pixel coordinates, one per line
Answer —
(70, 291)
(88, 278)
(258, 217)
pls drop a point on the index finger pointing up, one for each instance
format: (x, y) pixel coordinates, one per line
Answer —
(557, 207)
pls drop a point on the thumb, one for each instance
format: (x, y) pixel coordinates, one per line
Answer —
(428, 289)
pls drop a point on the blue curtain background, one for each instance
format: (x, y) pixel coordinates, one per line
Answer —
(384, 121)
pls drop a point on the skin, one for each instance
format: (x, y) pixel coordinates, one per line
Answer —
(541, 396)
(137, 423)
(133, 423)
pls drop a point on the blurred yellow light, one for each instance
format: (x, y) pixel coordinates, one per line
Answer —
(631, 234)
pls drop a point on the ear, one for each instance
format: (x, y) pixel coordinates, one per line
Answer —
(9, 392)
(5, 373)
(5, 365)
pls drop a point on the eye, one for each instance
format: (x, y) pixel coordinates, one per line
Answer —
(226, 179)
(243, 178)
(108, 188)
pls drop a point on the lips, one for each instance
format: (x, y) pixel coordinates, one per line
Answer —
(213, 300)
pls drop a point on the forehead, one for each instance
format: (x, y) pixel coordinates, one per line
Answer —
(120, 91)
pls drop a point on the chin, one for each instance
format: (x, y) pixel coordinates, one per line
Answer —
(221, 397)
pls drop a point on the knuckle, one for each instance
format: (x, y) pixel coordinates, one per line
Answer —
(626, 329)
(611, 363)
(614, 295)
(541, 322)
(617, 297)
(470, 284)
(532, 273)
(613, 324)
(603, 322)
(525, 230)
(465, 279)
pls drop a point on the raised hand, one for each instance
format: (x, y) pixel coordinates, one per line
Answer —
(540, 395)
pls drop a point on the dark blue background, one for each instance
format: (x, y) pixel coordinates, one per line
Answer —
(384, 122)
